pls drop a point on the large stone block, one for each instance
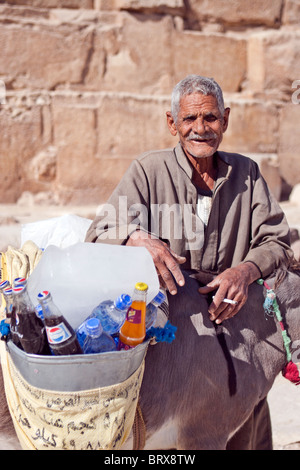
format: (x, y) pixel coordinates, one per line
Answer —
(291, 12)
(134, 57)
(214, 55)
(43, 56)
(129, 125)
(97, 182)
(54, 3)
(253, 127)
(236, 12)
(289, 144)
(173, 7)
(274, 61)
(75, 138)
(269, 166)
(22, 138)
(97, 136)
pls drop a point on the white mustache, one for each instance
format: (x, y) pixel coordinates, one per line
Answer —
(200, 138)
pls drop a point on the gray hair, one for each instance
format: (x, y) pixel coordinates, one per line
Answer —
(195, 84)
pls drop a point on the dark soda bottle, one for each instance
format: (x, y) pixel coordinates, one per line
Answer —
(61, 336)
(11, 315)
(29, 329)
(5, 285)
(8, 297)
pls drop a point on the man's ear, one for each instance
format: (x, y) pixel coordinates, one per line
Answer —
(171, 123)
(226, 119)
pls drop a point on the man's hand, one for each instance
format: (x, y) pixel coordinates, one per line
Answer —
(166, 261)
(232, 284)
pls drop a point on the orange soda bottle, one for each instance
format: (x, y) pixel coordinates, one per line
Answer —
(133, 330)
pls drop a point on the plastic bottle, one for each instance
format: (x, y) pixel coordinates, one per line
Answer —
(29, 329)
(61, 336)
(111, 314)
(151, 309)
(97, 340)
(133, 330)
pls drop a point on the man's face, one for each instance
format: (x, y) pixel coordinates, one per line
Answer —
(200, 125)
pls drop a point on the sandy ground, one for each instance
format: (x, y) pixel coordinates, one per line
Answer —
(284, 397)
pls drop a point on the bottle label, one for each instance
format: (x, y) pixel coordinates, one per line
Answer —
(58, 333)
(134, 316)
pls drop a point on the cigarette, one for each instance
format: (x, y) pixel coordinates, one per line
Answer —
(229, 301)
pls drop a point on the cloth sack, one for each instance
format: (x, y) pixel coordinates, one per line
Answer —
(97, 419)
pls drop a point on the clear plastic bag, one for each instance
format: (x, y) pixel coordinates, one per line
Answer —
(82, 275)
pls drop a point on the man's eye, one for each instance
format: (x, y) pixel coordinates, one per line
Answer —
(189, 118)
(211, 118)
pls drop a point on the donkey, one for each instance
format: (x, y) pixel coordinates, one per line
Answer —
(200, 389)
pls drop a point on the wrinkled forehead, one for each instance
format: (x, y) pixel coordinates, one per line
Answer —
(198, 102)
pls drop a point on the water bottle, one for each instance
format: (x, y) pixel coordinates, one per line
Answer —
(151, 310)
(61, 336)
(111, 314)
(133, 330)
(97, 340)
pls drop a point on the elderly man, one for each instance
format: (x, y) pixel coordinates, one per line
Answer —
(195, 207)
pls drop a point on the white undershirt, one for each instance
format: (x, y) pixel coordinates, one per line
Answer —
(203, 208)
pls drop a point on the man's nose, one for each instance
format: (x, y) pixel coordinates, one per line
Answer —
(199, 125)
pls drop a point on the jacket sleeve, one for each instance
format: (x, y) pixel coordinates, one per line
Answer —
(125, 211)
(270, 243)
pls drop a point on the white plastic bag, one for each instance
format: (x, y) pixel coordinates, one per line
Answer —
(84, 274)
(59, 231)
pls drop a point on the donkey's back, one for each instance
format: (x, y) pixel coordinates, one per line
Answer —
(202, 388)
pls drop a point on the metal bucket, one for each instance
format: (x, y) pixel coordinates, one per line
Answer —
(78, 372)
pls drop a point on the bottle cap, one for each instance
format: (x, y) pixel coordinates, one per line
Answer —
(43, 295)
(123, 301)
(7, 291)
(93, 326)
(4, 284)
(18, 289)
(159, 298)
(141, 286)
(19, 281)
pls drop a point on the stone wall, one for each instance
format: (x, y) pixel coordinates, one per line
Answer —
(88, 83)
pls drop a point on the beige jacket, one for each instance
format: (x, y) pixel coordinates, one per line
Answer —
(157, 195)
